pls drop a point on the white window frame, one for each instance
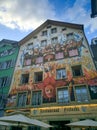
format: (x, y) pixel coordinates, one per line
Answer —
(60, 73)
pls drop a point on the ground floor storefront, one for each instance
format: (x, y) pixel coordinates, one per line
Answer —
(59, 116)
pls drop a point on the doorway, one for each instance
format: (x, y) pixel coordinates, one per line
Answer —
(59, 125)
(16, 128)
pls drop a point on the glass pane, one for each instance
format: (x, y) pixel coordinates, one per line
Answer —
(61, 74)
(22, 99)
(81, 94)
(63, 96)
(36, 98)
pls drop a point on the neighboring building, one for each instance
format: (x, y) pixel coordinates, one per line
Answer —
(94, 50)
(55, 79)
(8, 54)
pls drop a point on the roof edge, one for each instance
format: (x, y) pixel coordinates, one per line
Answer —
(57, 23)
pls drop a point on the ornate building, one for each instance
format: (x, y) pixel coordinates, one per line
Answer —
(55, 79)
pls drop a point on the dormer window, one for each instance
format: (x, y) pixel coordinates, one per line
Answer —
(53, 30)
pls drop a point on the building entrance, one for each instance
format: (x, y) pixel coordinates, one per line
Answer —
(16, 128)
(59, 125)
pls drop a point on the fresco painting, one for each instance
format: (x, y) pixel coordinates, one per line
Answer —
(70, 48)
(53, 57)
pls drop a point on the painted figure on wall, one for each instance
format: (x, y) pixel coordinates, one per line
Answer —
(49, 91)
(68, 46)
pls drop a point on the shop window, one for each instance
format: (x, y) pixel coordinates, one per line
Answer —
(44, 33)
(36, 98)
(24, 78)
(38, 76)
(22, 97)
(81, 93)
(59, 55)
(53, 30)
(77, 70)
(61, 73)
(63, 96)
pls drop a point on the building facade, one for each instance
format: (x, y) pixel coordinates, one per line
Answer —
(8, 55)
(94, 50)
(55, 79)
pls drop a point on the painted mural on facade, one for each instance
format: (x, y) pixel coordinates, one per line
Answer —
(38, 53)
(48, 58)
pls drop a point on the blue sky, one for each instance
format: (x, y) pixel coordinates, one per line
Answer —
(20, 17)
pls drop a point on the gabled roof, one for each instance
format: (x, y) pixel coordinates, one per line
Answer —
(49, 22)
(4, 42)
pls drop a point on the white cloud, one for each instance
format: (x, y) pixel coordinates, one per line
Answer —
(29, 14)
(25, 14)
(78, 13)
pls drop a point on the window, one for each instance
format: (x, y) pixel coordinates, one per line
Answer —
(81, 93)
(44, 33)
(4, 65)
(27, 62)
(53, 30)
(1, 65)
(39, 60)
(61, 74)
(77, 70)
(73, 52)
(7, 64)
(5, 81)
(70, 36)
(43, 42)
(54, 40)
(59, 55)
(95, 41)
(38, 76)
(30, 46)
(24, 78)
(22, 97)
(36, 98)
(63, 96)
